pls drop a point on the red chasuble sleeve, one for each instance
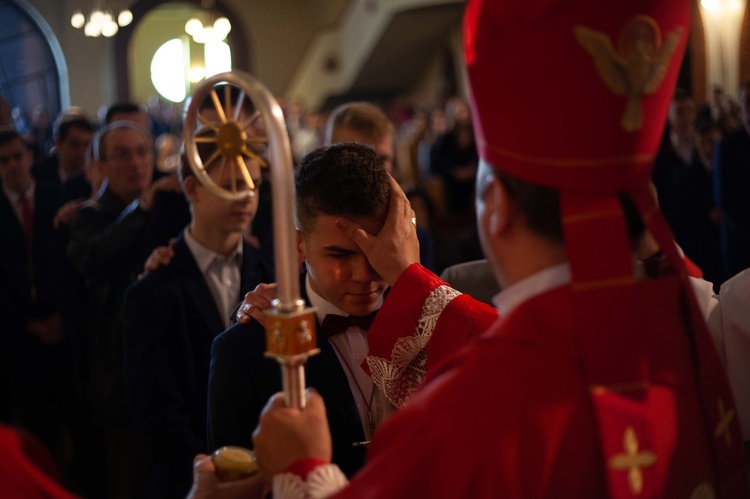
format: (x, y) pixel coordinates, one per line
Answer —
(420, 311)
(27, 470)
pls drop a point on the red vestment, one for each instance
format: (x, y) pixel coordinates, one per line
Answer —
(27, 470)
(511, 414)
(421, 310)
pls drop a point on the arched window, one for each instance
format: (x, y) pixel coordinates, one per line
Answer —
(33, 75)
(172, 69)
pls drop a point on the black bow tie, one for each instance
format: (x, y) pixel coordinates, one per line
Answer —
(335, 324)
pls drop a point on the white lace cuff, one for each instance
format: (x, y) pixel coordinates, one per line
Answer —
(323, 481)
(401, 376)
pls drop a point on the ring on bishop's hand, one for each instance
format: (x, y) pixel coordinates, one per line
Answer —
(414, 221)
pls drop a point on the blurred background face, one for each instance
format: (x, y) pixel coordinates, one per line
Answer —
(72, 150)
(682, 115)
(224, 215)
(127, 163)
(15, 165)
(706, 143)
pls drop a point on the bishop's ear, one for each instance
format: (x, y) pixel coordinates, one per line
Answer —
(498, 205)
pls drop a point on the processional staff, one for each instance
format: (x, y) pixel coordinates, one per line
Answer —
(290, 326)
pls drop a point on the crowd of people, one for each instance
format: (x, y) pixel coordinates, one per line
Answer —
(79, 224)
(120, 273)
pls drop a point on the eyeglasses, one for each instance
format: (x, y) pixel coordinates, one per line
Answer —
(126, 155)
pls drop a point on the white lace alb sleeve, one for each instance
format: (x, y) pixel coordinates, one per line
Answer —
(401, 376)
(323, 481)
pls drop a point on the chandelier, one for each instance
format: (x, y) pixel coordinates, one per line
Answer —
(101, 21)
(206, 27)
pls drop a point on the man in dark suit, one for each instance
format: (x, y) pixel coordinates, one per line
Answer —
(107, 248)
(731, 178)
(32, 327)
(341, 180)
(172, 316)
(72, 132)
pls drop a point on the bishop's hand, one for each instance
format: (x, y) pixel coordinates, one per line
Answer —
(286, 435)
(396, 246)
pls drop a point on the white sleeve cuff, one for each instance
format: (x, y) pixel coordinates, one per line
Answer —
(323, 481)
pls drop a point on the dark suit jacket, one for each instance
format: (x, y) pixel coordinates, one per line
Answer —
(23, 269)
(20, 268)
(242, 380)
(731, 180)
(107, 248)
(75, 187)
(170, 321)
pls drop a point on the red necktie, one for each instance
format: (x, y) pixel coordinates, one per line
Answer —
(27, 218)
(335, 324)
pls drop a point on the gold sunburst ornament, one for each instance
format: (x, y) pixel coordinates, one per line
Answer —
(637, 68)
(230, 135)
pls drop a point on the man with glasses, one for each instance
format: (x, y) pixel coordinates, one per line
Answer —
(107, 247)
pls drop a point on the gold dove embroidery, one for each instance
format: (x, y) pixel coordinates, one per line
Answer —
(639, 67)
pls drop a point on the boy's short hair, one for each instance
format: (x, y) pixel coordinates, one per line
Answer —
(123, 108)
(346, 179)
(98, 141)
(8, 134)
(361, 117)
(75, 117)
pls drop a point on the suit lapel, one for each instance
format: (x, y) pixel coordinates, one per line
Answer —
(327, 375)
(196, 288)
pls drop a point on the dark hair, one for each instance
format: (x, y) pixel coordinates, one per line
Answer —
(539, 206)
(707, 126)
(67, 121)
(346, 179)
(101, 134)
(122, 108)
(8, 134)
(681, 95)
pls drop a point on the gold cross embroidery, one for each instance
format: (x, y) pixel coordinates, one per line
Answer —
(723, 427)
(632, 460)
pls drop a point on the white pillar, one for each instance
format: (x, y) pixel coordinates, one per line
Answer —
(722, 21)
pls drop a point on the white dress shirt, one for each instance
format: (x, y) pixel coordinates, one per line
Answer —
(351, 349)
(222, 274)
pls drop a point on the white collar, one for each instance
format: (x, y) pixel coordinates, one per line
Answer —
(535, 284)
(205, 256)
(13, 196)
(323, 306)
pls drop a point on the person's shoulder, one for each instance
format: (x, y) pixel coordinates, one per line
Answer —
(259, 262)
(737, 287)
(247, 339)
(736, 138)
(156, 280)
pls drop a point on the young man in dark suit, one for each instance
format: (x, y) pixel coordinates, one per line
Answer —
(341, 180)
(173, 314)
(30, 349)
